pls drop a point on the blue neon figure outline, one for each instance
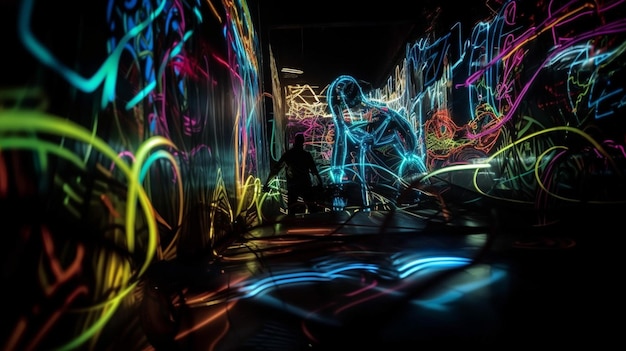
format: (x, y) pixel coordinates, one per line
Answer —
(384, 129)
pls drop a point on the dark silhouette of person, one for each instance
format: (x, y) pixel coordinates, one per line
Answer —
(299, 165)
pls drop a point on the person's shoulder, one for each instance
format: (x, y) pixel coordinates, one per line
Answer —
(299, 151)
(291, 154)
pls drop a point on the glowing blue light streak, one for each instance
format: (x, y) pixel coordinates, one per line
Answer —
(274, 281)
(405, 270)
(106, 73)
(434, 262)
(439, 303)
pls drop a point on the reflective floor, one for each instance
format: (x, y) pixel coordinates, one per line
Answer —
(398, 280)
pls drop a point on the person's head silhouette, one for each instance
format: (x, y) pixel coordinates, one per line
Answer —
(298, 141)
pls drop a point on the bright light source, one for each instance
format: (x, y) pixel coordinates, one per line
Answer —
(291, 70)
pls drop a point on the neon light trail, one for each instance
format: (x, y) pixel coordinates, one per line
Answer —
(134, 133)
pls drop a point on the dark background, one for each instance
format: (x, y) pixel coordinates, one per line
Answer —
(366, 40)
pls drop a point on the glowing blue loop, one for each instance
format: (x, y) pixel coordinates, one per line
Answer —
(432, 265)
(271, 284)
(440, 262)
(304, 277)
(159, 154)
(432, 260)
(356, 266)
(291, 278)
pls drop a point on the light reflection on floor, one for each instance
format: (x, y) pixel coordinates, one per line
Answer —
(330, 282)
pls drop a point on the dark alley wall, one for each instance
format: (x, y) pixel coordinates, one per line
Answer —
(130, 132)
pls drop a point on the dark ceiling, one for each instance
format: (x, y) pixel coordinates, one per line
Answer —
(328, 38)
